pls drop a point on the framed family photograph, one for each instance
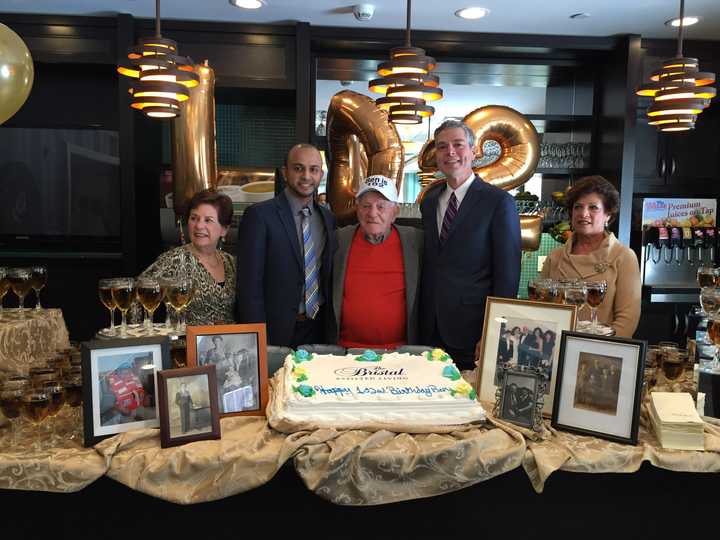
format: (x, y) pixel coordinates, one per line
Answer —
(188, 405)
(599, 386)
(521, 334)
(520, 396)
(239, 354)
(120, 385)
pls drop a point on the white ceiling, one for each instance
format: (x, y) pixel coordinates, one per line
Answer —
(608, 17)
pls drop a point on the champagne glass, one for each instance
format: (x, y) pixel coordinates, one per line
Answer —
(150, 294)
(706, 277)
(4, 287)
(35, 405)
(38, 279)
(595, 295)
(20, 283)
(180, 293)
(105, 294)
(123, 293)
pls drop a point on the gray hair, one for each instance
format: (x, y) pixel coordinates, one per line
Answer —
(452, 124)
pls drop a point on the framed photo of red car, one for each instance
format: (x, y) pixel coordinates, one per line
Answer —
(521, 334)
(120, 385)
(188, 405)
(599, 386)
(239, 354)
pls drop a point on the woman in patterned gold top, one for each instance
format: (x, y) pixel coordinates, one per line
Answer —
(212, 270)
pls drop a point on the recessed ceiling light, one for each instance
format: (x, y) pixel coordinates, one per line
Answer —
(579, 15)
(247, 4)
(687, 21)
(472, 12)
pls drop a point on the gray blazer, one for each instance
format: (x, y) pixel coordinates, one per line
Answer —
(411, 240)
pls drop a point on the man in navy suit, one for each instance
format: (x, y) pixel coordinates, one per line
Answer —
(272, 254)
(472, 248)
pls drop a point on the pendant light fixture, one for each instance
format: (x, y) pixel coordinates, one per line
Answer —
(407, 83)
(164, 77)
(680, 90)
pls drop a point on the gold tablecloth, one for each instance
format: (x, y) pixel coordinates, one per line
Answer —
(24, 340)
(344, 467)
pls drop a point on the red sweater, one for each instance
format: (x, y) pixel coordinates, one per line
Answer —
(373, 305)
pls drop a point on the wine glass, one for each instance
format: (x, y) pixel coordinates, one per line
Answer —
(105, 294)
(180, 293)
(35, 405)
(4, 287)
(38, 279)
(56, 396)
(11, 393)
(20, 283)
(595, 295)
(575, 293)
(123, 293)
(706, 277)
(710, 300)
(532, 289)
(714, 335)
(150, 294)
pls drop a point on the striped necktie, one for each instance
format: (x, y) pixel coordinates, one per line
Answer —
(450, 214)
(311, 267)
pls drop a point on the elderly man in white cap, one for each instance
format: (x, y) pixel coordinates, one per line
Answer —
(376, 273)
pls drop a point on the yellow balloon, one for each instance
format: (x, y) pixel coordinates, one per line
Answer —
(16, 73)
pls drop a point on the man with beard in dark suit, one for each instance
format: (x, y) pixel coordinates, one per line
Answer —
(285, 250)
(472, 248)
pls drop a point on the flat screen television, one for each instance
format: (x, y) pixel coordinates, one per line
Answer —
(59, 189)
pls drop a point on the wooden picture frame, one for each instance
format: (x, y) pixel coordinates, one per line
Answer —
(521, 319)
(188, 404)
(239, 353)
(120, 385)
(599, 386)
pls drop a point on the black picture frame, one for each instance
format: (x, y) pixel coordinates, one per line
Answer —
(119, 392)
(599, 386)
(520, 396)
(200, 420)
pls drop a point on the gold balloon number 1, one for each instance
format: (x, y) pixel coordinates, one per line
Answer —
(16, 73)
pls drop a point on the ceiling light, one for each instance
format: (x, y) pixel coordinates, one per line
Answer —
(680, 91)
(407, 83)
(164, 76)
(687, 21)
(247, 4)
(472, 12)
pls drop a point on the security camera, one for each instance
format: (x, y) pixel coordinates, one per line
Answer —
(363, 12)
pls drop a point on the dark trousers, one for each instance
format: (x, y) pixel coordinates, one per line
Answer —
(464, 359)
(309, 331)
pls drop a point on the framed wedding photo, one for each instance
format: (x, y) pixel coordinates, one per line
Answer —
(120, 385)
(521, 334)
(188, 405)
(599, 386)
(239, 354)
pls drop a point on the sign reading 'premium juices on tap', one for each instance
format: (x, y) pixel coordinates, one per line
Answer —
(679, 212)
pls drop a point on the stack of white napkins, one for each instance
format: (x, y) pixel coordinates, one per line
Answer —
(676, 421)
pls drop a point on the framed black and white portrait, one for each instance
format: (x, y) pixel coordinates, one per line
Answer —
(239, 354)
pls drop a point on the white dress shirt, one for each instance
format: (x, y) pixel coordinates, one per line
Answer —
(445, 198)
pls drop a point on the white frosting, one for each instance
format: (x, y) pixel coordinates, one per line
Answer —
(342, 392)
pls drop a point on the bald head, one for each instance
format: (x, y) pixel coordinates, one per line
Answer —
(303, 171)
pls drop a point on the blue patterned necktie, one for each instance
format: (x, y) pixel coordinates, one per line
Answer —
(311, 267)
(450, 214)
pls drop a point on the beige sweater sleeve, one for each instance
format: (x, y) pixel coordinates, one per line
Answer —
(626, 305)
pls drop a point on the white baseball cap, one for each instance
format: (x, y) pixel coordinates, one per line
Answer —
(381, 184)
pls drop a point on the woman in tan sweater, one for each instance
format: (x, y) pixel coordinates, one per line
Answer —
(593, 253)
